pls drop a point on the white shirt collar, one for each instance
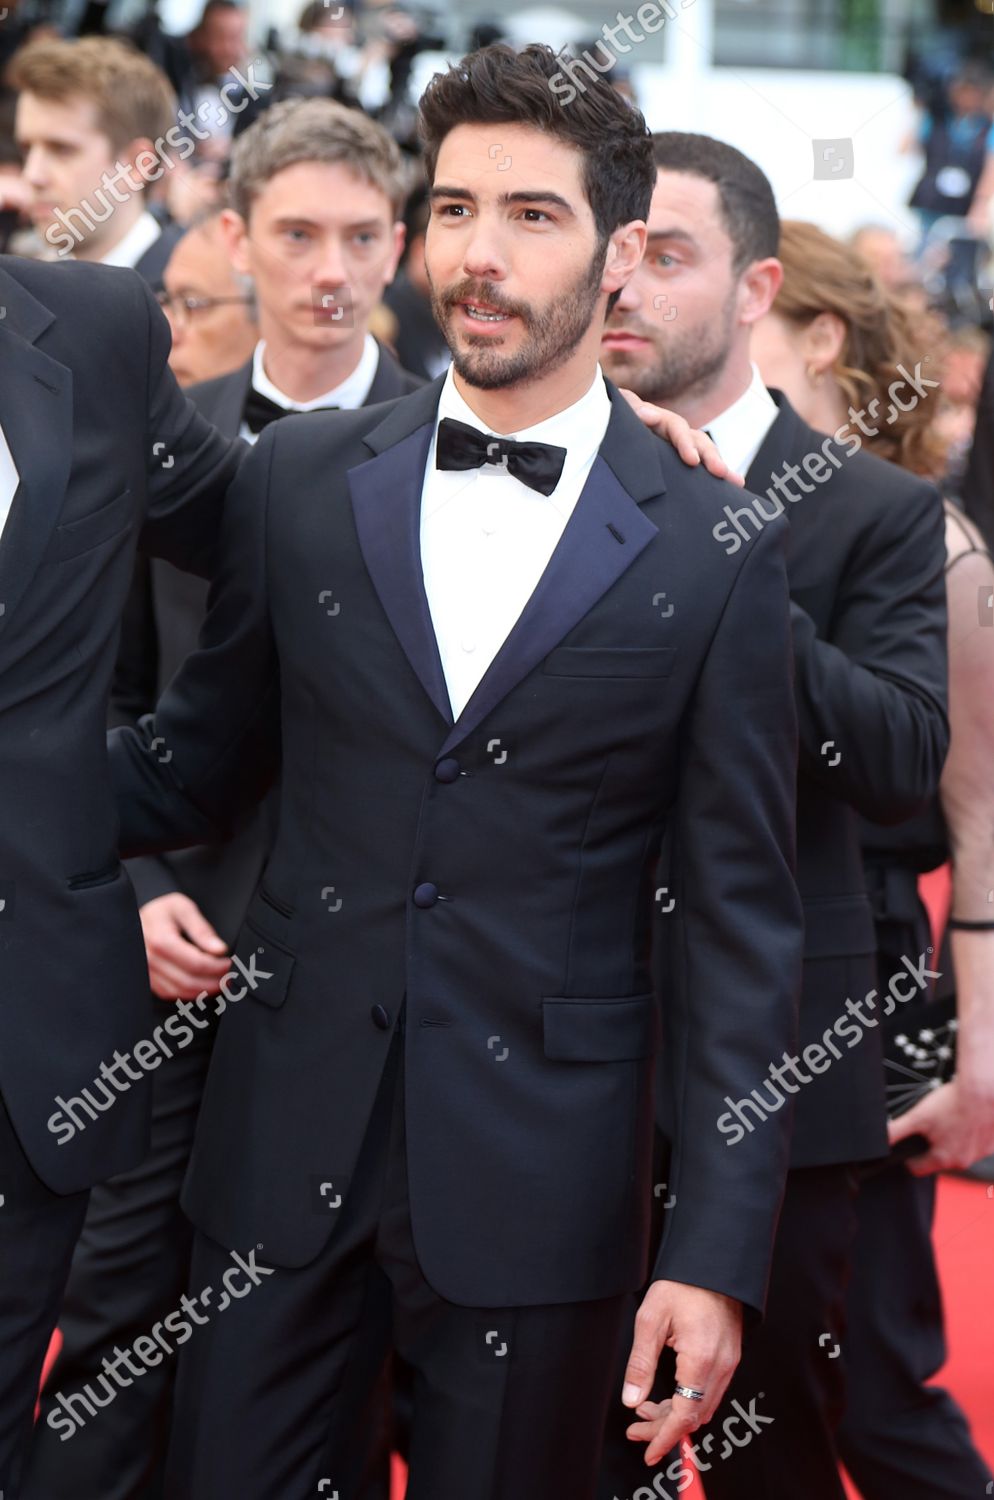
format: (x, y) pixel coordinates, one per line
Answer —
(579, 429)
(350, 395)
(739, 430)
(140, 237)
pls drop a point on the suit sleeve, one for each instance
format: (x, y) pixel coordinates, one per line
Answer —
(188, 774)
(133, 691)
(190, 464)
(874, 695)
(136, 669)
(737, 941)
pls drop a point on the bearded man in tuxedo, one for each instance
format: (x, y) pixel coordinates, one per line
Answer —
(486, 636)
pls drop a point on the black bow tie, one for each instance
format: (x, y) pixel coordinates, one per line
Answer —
(259, 411)
(459, 446)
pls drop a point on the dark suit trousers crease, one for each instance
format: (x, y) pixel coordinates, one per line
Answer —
(900, 1438)
(789, 1361)
(129, 1270)
(509, 1404)
(38, 1229)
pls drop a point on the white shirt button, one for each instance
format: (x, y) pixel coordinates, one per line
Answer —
(468, 643)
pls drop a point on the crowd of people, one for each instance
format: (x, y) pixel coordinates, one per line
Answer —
(477, 689)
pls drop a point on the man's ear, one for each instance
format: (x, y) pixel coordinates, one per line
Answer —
(399, 241)
(625, 250)
(234, 232)
(141, 144)
(758, 288)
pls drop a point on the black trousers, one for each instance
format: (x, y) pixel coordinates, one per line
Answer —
(130, 1267)
(38, 1229)
(791, 1367)
(900, 1438)
(509, 1403)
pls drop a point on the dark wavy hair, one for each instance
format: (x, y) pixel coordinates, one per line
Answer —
(497, 85)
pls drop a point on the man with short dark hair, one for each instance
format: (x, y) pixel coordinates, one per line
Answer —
(865, 562)
(486, 633)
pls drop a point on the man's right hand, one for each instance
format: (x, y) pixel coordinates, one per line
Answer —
(186, 958)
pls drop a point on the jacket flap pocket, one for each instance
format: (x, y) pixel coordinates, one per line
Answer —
(600, 1030)
(260, 968)
(75, 537)
(610, 661)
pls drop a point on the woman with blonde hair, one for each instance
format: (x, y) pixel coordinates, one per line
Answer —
(845, 351)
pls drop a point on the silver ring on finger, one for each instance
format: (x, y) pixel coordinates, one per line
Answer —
(688, 1391)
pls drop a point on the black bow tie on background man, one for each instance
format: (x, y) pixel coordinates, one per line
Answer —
(459, 446)
(259, 411)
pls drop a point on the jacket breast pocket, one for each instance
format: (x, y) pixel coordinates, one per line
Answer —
(76, 537)
(600, 1030)
(610, 661)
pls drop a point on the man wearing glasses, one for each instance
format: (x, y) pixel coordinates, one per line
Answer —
(210, 308)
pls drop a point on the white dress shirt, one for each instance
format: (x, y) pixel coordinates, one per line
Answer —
(9, 480)
(486, 538)
(140, 237)
(349, 395)
(738, 432)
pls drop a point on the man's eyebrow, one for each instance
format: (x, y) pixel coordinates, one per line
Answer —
(299, 220)
(523, 195)
(671, 234)
(24, 143)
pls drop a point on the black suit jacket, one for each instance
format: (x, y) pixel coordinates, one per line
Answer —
(106, 447)
(165, 612)
(492, 877)
(865, 559)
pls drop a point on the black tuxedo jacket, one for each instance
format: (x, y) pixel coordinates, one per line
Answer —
(491, 879)
(106, 447)
(865, 560)
(165, 612)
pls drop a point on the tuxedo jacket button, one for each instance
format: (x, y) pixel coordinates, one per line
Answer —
(425, 895)
(381, 1017)
(447, 770)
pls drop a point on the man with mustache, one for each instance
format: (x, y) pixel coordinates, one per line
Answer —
(486, 635)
